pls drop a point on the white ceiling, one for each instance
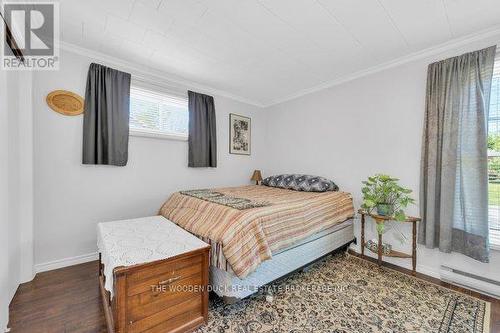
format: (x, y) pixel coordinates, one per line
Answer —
(266, 50)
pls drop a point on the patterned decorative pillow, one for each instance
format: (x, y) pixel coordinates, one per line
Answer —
(297, 182)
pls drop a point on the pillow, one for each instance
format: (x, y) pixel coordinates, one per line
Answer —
(297, 182)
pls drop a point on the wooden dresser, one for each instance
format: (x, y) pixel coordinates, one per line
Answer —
(158, 273)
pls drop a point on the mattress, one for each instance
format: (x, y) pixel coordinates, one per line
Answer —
(241, 239)
(227, 284)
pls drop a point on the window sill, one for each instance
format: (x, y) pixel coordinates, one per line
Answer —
(155, 135)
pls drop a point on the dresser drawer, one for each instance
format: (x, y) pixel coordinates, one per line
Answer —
(186, 322)
(169, 295)
(149, 302)
(182, 314)
(165, 267)
(165, 274)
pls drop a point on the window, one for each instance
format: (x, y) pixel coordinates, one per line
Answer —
(494, 158)
(158, 114)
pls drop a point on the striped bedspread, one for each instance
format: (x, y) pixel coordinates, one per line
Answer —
(242, 239)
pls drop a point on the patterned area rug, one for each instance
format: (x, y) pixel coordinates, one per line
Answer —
(346, 294)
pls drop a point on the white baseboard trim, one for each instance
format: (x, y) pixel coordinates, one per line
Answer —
(428, 271)
(60, 263)
(470, 281)
(4, 319)
(420, 268)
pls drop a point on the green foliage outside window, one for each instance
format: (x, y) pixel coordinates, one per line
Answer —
(494, 142)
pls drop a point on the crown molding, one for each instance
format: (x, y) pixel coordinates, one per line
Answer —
(163, 78)
(426, 53)
(148, 74)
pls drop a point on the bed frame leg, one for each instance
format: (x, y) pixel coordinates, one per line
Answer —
(345, 248)
(306, 268)
(228, 300)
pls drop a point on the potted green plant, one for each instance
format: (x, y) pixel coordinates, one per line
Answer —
(385, 194)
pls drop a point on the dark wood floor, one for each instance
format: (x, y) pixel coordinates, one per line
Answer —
(68, 300)
(62, 300)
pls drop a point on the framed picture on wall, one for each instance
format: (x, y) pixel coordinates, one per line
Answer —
(240, 134)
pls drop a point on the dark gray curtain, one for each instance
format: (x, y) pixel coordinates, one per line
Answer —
(202, 133)
(106, 116)
(454, 175)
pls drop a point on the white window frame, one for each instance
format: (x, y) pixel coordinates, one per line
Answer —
(494, 240)
(160, 92)
(494, 235)
(157, 135)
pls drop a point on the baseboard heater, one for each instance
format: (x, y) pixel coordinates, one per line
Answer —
(475, 282)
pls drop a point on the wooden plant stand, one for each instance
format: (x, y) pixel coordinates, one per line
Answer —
(381, 220)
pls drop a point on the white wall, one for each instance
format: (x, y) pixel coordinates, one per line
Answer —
(70, 198)
(10, 205)
(4, 198)
(369, 125)
(24, 171)
(13, 164)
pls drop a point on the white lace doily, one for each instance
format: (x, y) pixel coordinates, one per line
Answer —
(138, 241)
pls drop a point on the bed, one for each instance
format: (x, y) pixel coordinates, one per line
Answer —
(259, 233)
